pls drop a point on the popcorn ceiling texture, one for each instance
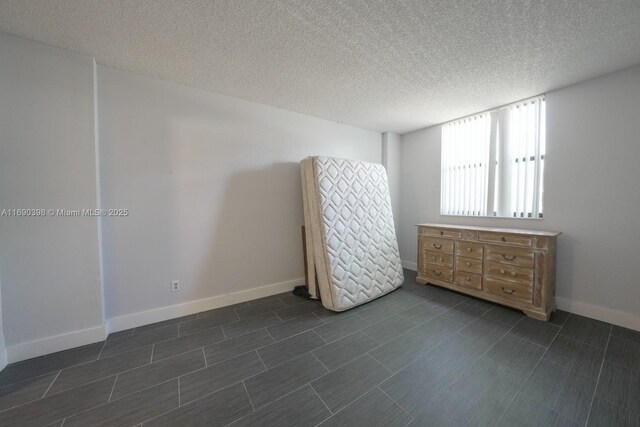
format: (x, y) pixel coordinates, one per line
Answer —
(382, 65)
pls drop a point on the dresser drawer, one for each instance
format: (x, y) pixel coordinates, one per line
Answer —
(507, 255)
(469, 265)
(438, 245)
(438, 258)
(469, 250)
(509, 273)
(468, 280)
(510, 239)
(443, 232)
(438, 273)
(509, 291)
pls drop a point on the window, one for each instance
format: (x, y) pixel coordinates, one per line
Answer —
(493, 162)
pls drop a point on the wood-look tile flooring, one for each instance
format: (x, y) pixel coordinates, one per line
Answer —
(420, 356)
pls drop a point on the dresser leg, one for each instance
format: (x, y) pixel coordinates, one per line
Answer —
(537, 315)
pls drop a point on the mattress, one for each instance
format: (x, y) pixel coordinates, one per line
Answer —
(350, 235)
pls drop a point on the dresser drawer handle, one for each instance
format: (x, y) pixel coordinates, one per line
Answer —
(469, 249)
(502, 271)
(437, 258)
(509, 258)
(468, 279)
(468, 264)
(437, 273)
(507, 291)
(514, 274)
(442, 233)
(503, 239)
(437, 246)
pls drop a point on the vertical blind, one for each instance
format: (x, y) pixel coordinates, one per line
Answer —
(525, 143)
(493, 163)
(465, 157)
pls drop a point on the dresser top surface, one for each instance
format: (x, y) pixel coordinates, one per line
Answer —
(493, 229)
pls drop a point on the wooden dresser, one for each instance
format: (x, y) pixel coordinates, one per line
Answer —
(508, 266)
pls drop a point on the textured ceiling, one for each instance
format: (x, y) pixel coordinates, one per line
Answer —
(383, 65)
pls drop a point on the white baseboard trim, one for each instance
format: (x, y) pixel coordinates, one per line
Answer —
(605, 314)
(142, 318)
(3, 359)
(409, 265)
(616, 317)
(27, 350)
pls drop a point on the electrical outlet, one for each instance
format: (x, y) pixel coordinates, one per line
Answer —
(175, 285)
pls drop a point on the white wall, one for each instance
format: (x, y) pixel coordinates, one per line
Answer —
(392, 161)
(49, 266)
(592, 194)
(213, 187)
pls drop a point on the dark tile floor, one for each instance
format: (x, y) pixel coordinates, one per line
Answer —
(418, 356)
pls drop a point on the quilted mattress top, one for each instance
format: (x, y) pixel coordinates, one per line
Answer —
(358, 230)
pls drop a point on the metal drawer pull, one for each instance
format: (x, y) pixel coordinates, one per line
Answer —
(508, 291)
(435, 245)
(437, 273)
(514, 274)
(509, 258)
(502, 271)
(442, 233)
(469, 249)
(468, 279)
(437, 259)
(468, 264)
(504, 239)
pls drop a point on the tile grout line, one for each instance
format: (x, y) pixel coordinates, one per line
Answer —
(112, 389)
(261, 360)
(325, 366)
(395, 401)
(248, 396)
(204, 354)
(321, 400)
(223, 333)
(595, 389)
(116, 400)
(516, 395)
(274, 340)
(278, 399)
(102, 349)
(177, 407)
(179, 403)
(51, 385)
(325, 341)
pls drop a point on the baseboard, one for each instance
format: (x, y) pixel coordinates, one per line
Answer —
(409, 265)
(3, 359)
(142, 318)
(609, 315)
(27, 350)
(616, 317)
